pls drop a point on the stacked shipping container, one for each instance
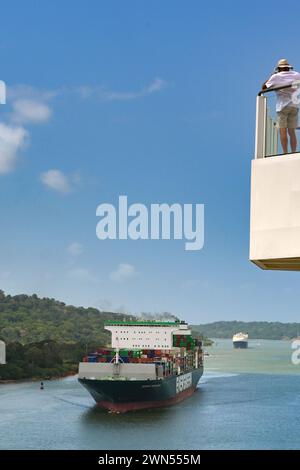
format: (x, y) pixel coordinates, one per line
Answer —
(184, 357)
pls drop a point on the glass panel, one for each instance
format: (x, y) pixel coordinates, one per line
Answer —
(282, 134)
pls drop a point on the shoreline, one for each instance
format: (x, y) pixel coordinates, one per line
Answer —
(37, 379)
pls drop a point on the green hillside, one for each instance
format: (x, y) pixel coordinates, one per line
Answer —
(28, 319)
(46, 338)
(257, 330)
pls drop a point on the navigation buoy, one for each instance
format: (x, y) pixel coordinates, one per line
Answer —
(42, 386)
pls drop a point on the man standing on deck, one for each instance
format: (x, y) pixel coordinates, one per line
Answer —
(287, 109)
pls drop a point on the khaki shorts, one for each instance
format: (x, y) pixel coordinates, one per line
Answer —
(288, 118)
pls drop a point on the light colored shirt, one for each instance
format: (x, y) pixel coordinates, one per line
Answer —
(287, 96)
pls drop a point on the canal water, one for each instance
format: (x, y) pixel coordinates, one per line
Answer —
(247, 399)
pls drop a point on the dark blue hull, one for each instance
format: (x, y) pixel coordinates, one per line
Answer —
(240, 344)
(125, 395)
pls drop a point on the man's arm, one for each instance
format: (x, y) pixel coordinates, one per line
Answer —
(270, 81)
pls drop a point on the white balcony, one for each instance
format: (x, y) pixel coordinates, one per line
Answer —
(275, 199)
(275, 212)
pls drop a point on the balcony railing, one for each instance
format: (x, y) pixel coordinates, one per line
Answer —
(267, 142)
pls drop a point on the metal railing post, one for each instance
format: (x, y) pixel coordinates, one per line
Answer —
(260, 129)
(275, 138)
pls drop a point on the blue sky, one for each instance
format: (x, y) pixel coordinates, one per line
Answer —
(154, 100)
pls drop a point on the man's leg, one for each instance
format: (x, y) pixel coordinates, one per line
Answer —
(293, 139)
(283, 139)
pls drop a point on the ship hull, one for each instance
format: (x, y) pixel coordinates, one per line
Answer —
(127, 395)
(240, 344)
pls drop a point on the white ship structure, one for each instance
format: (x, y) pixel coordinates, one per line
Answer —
(240, 340)
(2, 353)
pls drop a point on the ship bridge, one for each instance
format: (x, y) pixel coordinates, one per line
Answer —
(145, 334)
(275, 189)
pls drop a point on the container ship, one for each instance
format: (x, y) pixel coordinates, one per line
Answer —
(240, 340)
(150, 364)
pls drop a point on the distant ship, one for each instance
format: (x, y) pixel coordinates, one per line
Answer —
(150, 364)
(240, 340)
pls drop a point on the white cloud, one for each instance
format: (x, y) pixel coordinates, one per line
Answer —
(75, 249)
(157, 85)
(29, 93)
(108, 95)
(29, 111)
(27, 106)
(22, 91)
(12, 139)
(56, 180)
(123, 273)
(30, 105)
